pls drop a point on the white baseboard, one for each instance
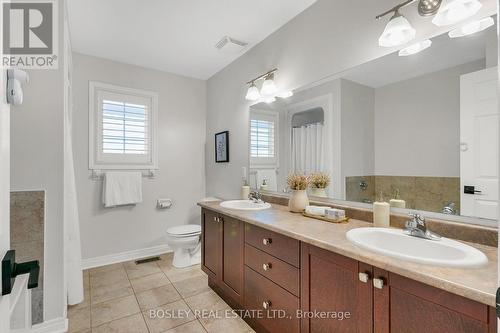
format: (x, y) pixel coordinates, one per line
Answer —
(58, 325)
(124, 256)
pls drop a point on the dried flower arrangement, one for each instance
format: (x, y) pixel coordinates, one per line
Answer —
(297, 182)
(319, 180)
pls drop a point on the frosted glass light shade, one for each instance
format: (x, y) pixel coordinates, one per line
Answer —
(268, 87)
(397, 32)
(472, 28)
(253, 93)
(453, 11)
(415, 48)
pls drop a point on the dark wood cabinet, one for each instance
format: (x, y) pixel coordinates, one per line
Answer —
(407, 306)
(380, 301)
(256, 269)
(223, 254)
(331, 286)
(211, 250)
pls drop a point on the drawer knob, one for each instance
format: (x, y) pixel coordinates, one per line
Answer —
(378, 283)
(266, 241)
(364, 277)
(220, 220)
(266, 267)
(266, 304)
(216, 219)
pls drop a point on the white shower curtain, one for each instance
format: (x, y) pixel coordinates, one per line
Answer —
(307, 149)
(73, 255)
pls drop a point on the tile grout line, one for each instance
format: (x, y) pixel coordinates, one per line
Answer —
(137, 301)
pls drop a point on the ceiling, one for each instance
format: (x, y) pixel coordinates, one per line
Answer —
(176, 36)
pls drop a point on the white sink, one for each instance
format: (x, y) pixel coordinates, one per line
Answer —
(245, 205)
(395, 243)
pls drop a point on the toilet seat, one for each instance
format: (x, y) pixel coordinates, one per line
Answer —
(186, 230)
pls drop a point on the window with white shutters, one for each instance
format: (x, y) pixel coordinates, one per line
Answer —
(122, 127)
(263, 138)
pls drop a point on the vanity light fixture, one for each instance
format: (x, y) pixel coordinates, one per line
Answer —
(268, 91)
(397, 32)
(453, 11)
(415, 48)
(269, 87)
(472, 27)
(253, 93)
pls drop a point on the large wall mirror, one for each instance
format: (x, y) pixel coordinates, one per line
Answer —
(421, 131)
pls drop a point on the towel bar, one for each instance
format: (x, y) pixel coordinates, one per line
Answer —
(98, 174)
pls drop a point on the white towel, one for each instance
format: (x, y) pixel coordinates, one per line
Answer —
(122, 188)
(316, 210)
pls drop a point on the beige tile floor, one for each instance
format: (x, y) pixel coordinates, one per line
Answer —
(119, 297)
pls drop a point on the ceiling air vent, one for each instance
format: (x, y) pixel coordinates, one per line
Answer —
(230, 45)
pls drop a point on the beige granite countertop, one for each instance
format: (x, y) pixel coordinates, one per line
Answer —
(478, 284)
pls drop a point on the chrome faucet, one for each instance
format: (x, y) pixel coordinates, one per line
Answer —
(255, 196)
(417, 227)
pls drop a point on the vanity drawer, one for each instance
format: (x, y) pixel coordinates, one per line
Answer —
(276, 270)
(260, 291)
(282, 247)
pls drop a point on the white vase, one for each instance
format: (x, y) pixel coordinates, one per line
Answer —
(318, 192)
(298, 201)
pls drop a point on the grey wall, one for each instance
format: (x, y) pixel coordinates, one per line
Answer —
(182, 114)
(357, 109)
(417, 124)
(308, 48)
(37, 137)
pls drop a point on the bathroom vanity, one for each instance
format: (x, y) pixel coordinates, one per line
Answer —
(276, 260)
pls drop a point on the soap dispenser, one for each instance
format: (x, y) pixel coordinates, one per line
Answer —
(381, 212)
(397, 201)
(263, 187)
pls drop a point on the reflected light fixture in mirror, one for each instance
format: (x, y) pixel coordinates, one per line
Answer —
(415, 48)
(472, 28)
(397, 32)
(269, 87)
(253, 93)
(453, 11)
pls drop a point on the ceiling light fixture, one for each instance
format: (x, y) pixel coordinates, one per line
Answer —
(269, 87)
(253, 93)
(415, 48)
(397, 32)
(453, 11)
(472, 27)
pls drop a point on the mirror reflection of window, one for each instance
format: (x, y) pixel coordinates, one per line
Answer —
(264, 150)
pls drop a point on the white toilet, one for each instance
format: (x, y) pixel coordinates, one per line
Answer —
(184, 240)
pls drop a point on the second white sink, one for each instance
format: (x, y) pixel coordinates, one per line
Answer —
(395, 243)
(245, 205)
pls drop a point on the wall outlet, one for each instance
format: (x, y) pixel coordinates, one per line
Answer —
(164, 203)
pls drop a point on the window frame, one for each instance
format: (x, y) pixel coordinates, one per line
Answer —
(265, 162)
(101, 161)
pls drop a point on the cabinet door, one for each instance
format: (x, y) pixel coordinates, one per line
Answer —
(407, 306)
(211, 244)
(231, 278)
(331, 285)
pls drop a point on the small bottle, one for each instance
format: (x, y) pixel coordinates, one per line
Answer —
(263, 187)
(245, 190)
(381, 213)
(397, 201)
